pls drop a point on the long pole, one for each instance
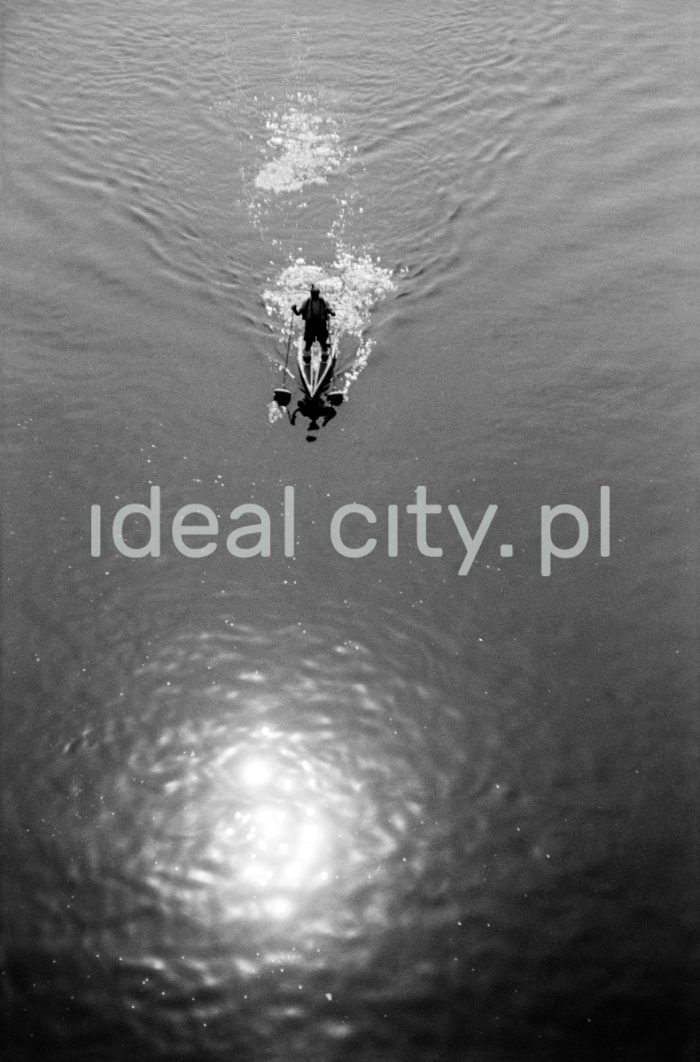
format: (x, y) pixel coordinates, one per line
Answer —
(283, 395)
(289, 343)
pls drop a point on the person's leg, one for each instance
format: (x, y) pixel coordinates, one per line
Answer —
(308, 340)
(323, 340)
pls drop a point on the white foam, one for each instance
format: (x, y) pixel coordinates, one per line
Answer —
(353, 285)
(274, 412)
(305, 148)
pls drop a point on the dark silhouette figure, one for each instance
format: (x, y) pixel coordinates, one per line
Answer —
(315, 312)
(314, 409)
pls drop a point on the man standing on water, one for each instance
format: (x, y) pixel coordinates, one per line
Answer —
(315, 311)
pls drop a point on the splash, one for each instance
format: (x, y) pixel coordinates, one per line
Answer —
(274, 412)
(353, 285)
(305, 146)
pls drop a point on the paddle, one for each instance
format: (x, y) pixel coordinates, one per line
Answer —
(283, 395)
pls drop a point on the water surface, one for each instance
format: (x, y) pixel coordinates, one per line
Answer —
(321, 807)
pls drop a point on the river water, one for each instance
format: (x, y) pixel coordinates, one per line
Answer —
(350, 803)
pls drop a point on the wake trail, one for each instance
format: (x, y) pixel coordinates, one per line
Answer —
(303, 150)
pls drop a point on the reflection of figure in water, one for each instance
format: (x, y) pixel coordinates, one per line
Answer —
(313, 409)
(315, 311)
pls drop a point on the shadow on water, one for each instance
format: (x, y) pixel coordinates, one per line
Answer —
(317, 410)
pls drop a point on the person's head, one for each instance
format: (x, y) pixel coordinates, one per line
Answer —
(315, 290)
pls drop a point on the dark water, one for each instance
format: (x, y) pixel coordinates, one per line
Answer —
(326, 807)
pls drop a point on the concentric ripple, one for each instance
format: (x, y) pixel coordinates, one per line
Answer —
(256, 811)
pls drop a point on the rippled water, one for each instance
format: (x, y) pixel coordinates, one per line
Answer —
(325, 807)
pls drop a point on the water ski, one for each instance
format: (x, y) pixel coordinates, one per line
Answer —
(283, 396)
(315, 370)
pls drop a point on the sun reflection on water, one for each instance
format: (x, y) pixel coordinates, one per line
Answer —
(277, 841)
